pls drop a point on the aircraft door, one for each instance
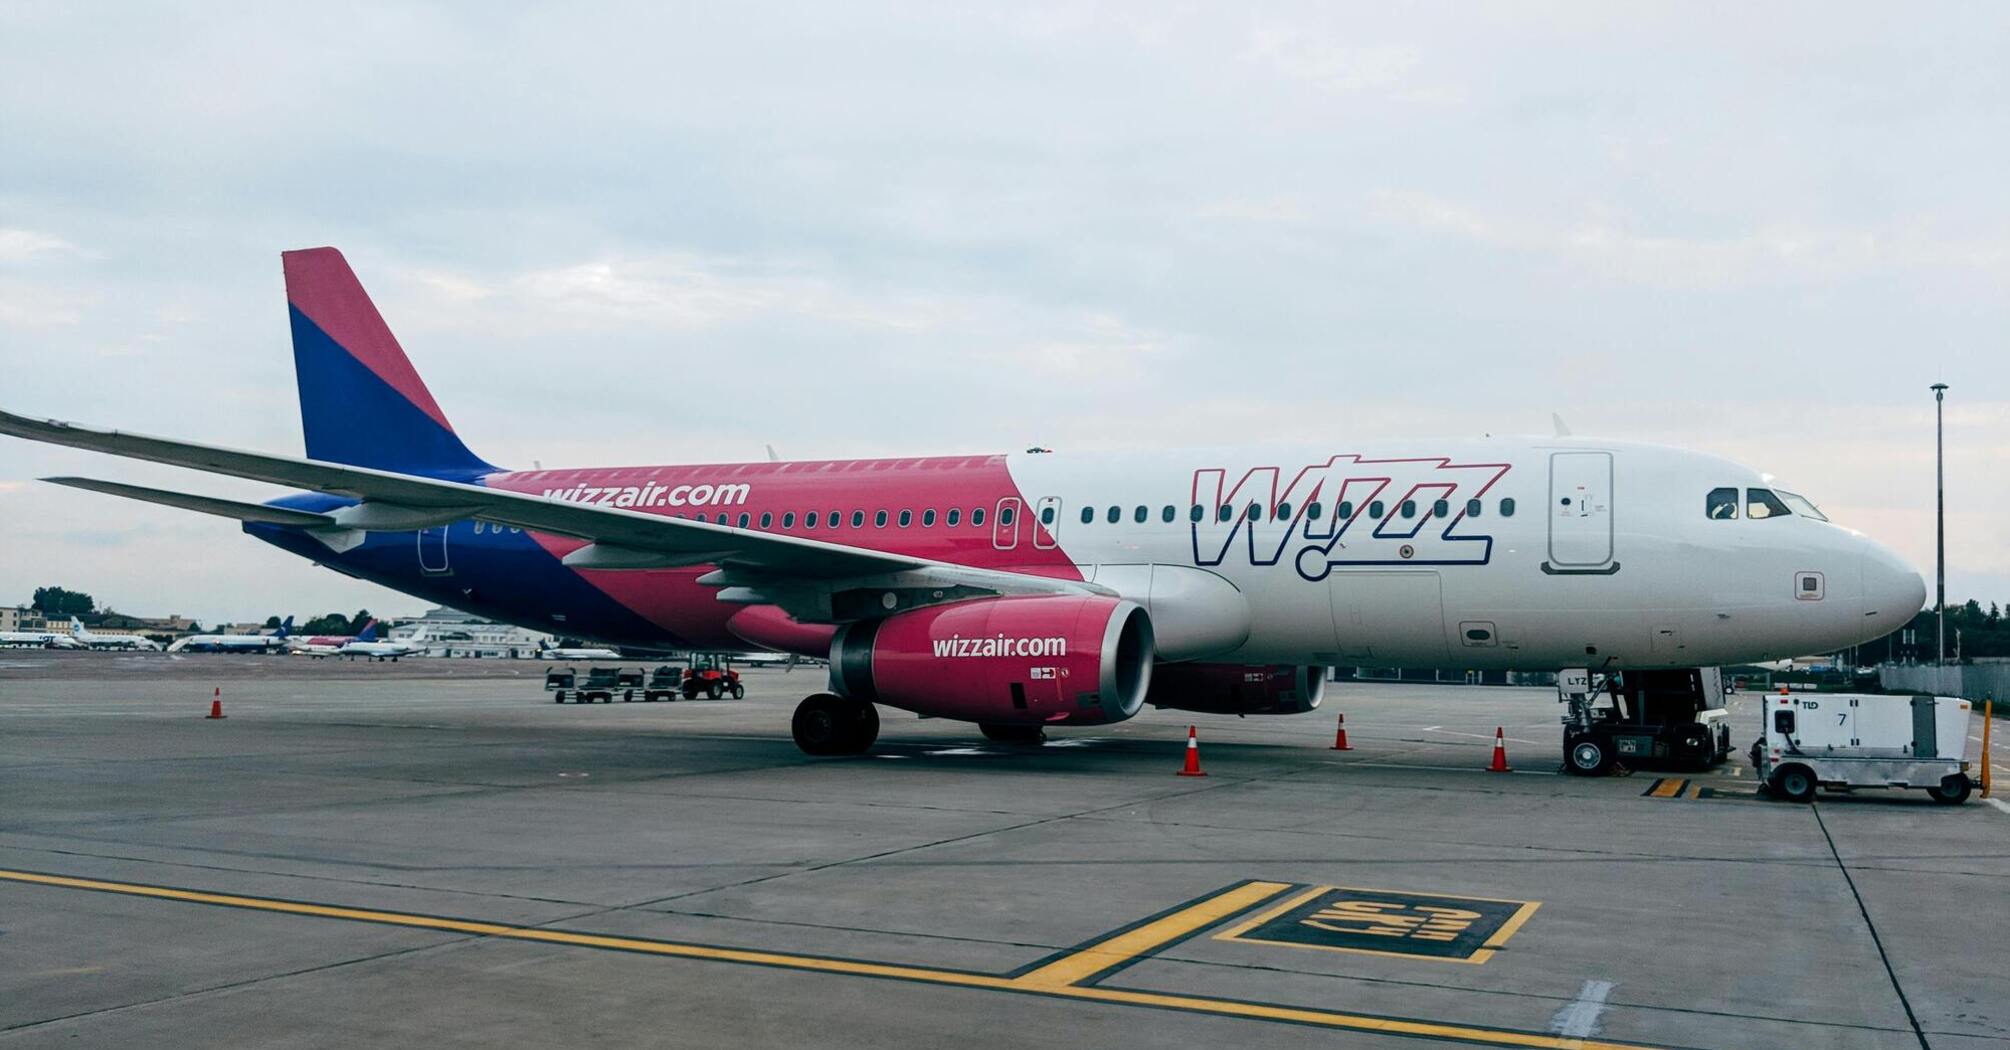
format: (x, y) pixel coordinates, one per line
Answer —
(1046, 522)
(1580, 514)
(433, 552)
(1005, 523)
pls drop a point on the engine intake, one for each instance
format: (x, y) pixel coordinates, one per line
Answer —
(1238, 689)
(1039, 660)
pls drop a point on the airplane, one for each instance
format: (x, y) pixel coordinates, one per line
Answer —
(548, 651)
(366, 644)
(1025, 591)
(38, 640)
(321, 645)
(89, 640)
(236, 643)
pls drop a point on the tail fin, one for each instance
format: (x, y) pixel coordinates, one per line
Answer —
(285, 628)
(361, 402)
(76, 627)
(369, 632)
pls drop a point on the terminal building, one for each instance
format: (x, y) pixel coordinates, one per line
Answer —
(453, 633)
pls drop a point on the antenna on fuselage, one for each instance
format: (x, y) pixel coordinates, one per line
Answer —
(772, 457)
(1562, 429)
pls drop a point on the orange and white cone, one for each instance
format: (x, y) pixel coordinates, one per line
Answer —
(1340, 736)
(1192, 767)
(216, 704)
(1500, 762)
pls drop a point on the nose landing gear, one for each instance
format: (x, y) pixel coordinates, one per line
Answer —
(832, 725)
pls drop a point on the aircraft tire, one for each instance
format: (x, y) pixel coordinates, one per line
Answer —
(1587, 756)
(1013, 734)
(821, 725)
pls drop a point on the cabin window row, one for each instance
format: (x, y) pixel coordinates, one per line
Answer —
(1345, 510)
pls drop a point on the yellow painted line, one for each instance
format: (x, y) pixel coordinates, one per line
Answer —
(1667, 788)
(1479, 956)
(862, 968)
(1132, 943)
(1694, 791)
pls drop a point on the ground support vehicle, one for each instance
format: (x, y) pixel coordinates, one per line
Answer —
(1635, 718)
(713, 677)
(1842, 741)
(664, 684)
(559, 681)
(628, 683)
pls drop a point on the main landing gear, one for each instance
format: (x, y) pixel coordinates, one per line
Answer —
(832, 725)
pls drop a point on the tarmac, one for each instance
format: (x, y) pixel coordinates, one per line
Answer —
(431, 853)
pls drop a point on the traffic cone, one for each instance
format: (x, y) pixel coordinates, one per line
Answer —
(1192, 767)
(1500, 762)
(1340, 736)
(216, 704)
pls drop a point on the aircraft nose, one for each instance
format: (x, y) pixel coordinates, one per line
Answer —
(1891, 590)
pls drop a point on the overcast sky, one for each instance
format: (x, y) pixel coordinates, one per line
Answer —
(655, 235)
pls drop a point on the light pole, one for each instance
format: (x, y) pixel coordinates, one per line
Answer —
(1939, 532)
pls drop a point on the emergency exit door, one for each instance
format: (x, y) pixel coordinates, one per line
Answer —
(433, 552)
(1580, 513)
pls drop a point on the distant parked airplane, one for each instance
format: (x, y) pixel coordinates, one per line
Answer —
(366, 644)
(548, 651)
(1050, 588)
(111, 641)
(235, 643)
(38, 640)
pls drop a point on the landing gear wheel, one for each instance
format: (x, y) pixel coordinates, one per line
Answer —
(1795, 784)
(1013, 734)
(1588, 756)
(1953, 790)
(831, 725)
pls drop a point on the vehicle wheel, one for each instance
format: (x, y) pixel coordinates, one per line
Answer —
(712, 691)
(690, 692)
(1795, 784)
(1587, 756)
(558, 697)
(1013, 734)
(1953, 790)
(739, 691)
(628, 697)
(822, 725)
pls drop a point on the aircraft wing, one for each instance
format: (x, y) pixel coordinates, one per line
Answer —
(223, 508)
(753, 566)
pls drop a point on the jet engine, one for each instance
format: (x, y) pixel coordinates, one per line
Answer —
(1029, 661)
(1238, 689)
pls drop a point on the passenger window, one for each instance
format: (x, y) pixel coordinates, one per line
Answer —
(1783, 722)
(1375, 510)
(977, 517)
(1284, 511)
(1088, 515)
(1195, 513)
(1441, 509)
(1255, 512)
(1116, 514)
(1507, 507)
(906, 518)
(1226, 513)
(1473, 508)
(1409, 508)
(1047, 515)
(1166, 515)
(1005, 516)
(1761, 503)
(1721, 504)
(858, 519)
(1345, 511)
(879, 519)
(955, 515)
(810, 520)
(743, 519)
(767, 519)
(1140, 514)
(1314, 510)
(789, 520)
(722, 519)
(928, 518)
(831, 520)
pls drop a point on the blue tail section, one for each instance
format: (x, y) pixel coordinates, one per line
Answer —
(369, 633)
(285, 628)
(361, 401)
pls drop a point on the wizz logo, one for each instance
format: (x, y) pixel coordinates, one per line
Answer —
(1345, 511)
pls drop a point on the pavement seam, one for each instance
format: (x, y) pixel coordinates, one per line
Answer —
(1871, 925)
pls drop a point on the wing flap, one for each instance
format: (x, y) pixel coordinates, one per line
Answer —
(222, 508)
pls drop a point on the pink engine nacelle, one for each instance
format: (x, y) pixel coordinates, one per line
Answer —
(1238, 689)
(1042, 660)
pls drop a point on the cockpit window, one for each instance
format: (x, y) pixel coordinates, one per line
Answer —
(1761, 503)
(1722, 504)
(1801, 505)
